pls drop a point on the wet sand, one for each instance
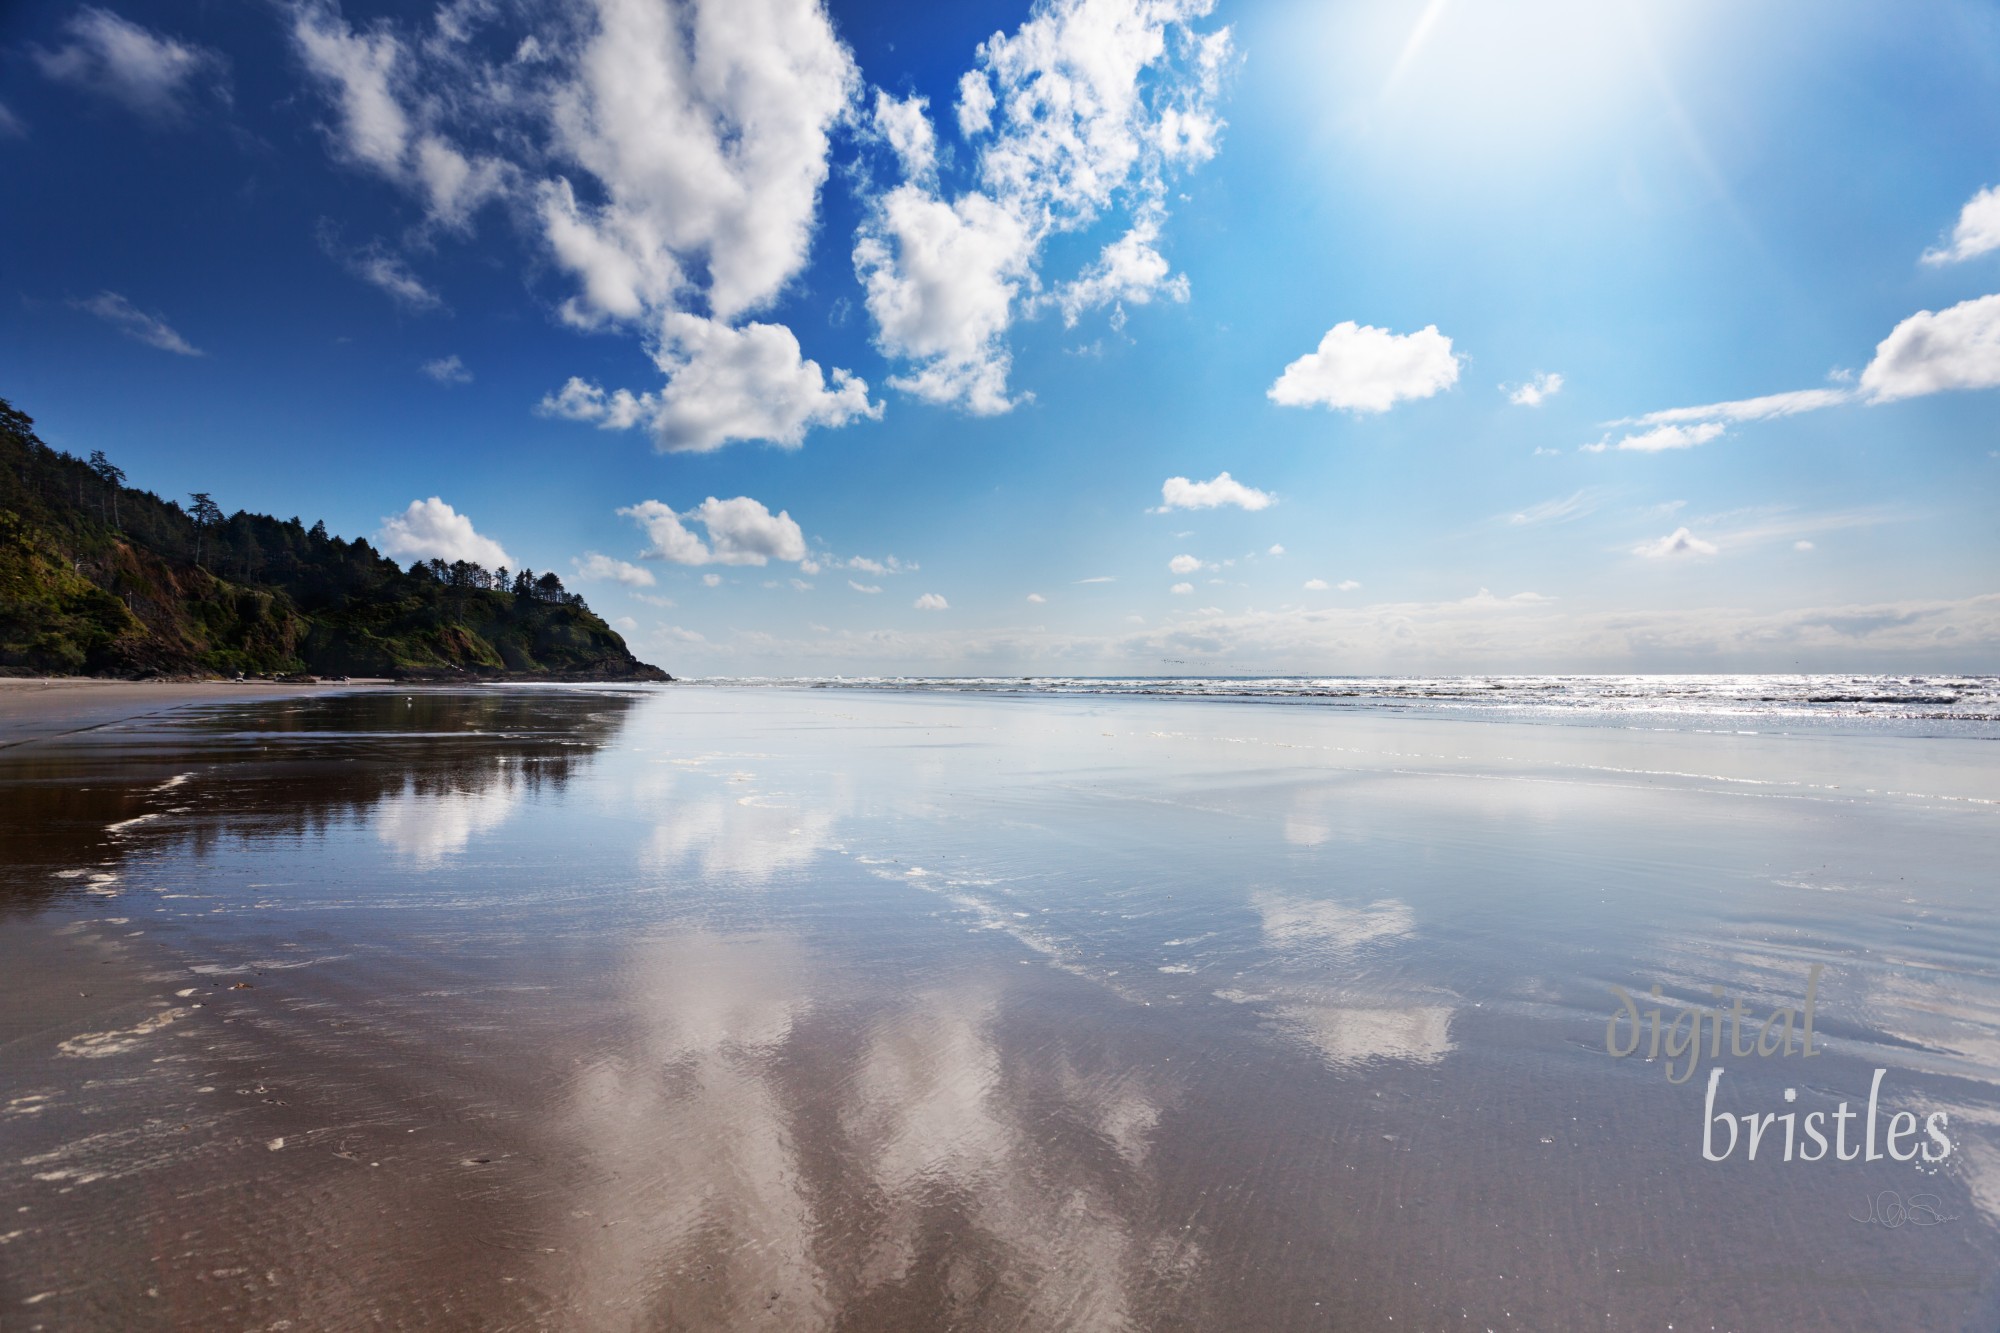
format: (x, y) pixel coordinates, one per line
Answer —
(697, 1009)
(39, 708)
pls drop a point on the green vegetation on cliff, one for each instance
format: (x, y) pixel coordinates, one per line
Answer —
(97, 578)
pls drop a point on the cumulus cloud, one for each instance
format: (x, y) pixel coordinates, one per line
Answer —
(1223, 489)
(448, 370)
(1315, 585)
(1931, 352)
(1183, 564)
(144, 71)
(666, 155)
(1275, 550)
(1361, 368)
(705, 126)
(1129, 269)
(595, 567)
(1180, 588)
(431, 529)
(1037, 598)
(930, 601)
(1977, 232)
(740, 532)
(711, 580)
(723, 384)
(1346, 585)
(133, 322)
(1087, 105)
(905, 124)
(864, 587)
(1802, 545)
(1679, 542)
(1536, 391)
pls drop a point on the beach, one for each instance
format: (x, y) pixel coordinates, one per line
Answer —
(694, 1007)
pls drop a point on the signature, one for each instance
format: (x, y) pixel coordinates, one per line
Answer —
(1889, 1209)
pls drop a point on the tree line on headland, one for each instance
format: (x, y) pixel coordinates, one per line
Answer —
(100, 578)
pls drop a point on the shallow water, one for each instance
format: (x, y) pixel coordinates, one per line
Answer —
(814, 1008)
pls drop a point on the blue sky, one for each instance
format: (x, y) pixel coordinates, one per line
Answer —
(716, 307)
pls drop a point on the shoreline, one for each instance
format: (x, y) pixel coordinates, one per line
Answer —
(46, 708)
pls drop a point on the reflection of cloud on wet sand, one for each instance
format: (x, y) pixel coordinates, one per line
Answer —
(426, 827)
(949, 1140)
(693, 1200)
(1300, 926)
(1323, 934)
(737, 836)
(1347, 1037)
(720, 1187)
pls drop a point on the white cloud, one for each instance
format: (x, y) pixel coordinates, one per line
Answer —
(711, 580)
(1679, 542)
(1183, 564)
(1535, 391)
(1661, 438)
(1130, 268)
(133, 322)
(144, 71)
(941, 281)
(1365, 369)
(1275, 550)
(867, 566)
(723, 384)
(1802, 545)
(1088, 104)
(594, 566)
(370, 77)
(864, 587)
(930, 601)
(1037, 598)
(11, 125)
(1977, 232)
(448, 370)
(1315, 585)
(740, 532)
(1346, 585)
(668, 154)
(1180, 493)
(1100, 578)
(906, 125)
(431, 529)
(1180, 588)
(705, 125)
(1931, 352)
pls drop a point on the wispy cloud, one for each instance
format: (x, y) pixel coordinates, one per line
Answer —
(133, 322)
(448, 370)
(146, 72)
(1558, 510)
